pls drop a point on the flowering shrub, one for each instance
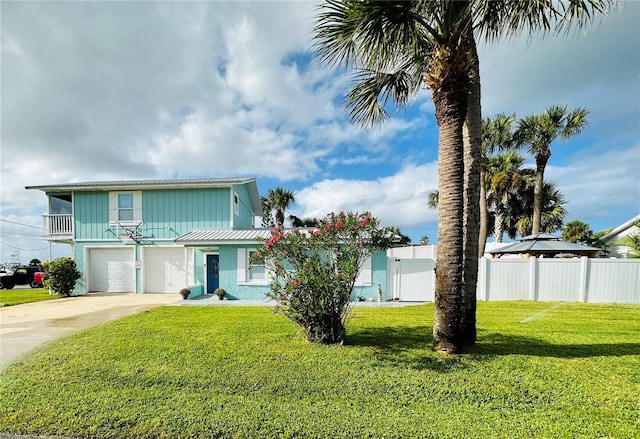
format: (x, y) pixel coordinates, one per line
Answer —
(62, 274)
(313, 271)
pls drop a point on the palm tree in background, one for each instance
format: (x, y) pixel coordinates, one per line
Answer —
(496, 136)
(277, 201)
(519, 219)
(577, 231)
(537, 132)
(396, 48)
(506, 178)
(303, 222)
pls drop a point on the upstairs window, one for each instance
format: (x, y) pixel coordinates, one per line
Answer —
(125, 207)
(236, 204)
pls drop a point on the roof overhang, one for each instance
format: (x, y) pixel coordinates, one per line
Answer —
(148, 184)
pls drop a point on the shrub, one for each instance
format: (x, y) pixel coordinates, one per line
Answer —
(62, 274)
(314, 270)
(184, 292)
(220, 292)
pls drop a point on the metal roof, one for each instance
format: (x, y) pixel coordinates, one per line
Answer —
(540, 237)
(141, 184)
(222, 236)
(160, 184)
(544, 246)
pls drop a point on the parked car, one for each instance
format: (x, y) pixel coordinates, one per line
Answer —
(23, 275)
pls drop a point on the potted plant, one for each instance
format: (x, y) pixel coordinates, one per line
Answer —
(220, 292)
(185, 293)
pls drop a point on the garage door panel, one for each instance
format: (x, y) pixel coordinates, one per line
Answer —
(165, 270)
(112, 270)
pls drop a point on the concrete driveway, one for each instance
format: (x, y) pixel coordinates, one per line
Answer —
(23, 327)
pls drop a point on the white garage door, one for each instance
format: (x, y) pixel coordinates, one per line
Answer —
(112, 270)
(165, 270)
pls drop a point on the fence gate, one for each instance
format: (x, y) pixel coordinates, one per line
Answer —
(411, 280)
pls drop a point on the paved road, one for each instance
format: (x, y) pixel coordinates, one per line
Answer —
(23, 327)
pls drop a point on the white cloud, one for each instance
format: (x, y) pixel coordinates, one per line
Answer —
(397, 200)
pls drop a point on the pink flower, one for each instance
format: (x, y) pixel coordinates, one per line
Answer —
(339, 224)
(316, 232)
(363, 224)
(295, 281)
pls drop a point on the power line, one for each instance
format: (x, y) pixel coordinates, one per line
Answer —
(20, 224)
(23, 249)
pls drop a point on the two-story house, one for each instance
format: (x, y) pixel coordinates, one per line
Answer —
(158, 236)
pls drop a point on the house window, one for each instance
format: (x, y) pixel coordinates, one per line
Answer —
(236, 204)
(125, 207)
(250, 274)
(364, 275)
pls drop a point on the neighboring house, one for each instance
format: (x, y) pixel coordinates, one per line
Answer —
(159, 236)
(625, 229)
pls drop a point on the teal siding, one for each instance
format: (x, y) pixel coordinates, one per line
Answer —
(170, 213)
(229, 276)
(166, 214)
(378, 277)
(91, 216)
(245, 217)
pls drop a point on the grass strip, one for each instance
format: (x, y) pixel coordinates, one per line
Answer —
(19, 296)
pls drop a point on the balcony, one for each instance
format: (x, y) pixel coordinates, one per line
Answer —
(57, 227)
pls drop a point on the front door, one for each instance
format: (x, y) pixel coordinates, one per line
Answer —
(213, 273)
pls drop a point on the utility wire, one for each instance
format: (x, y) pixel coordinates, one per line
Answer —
(20, 224)
(23, 249)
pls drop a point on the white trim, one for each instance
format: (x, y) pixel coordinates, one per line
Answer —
(242, 266)
(243, 277)
(136, 207)
(235, 203)
(365, 274)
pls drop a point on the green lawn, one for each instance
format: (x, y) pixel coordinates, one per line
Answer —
(16, 297)
(539, 370)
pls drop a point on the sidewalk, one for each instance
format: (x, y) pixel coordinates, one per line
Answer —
(24, 327)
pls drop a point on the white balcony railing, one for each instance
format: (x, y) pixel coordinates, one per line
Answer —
(57, 226)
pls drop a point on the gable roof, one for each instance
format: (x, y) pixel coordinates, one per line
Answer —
(621, 228)
(160, 184)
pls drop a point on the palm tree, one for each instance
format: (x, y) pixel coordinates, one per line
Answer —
(397, 47)
(432, 201)
(520, 212)
(267, 218)
(633, 242)
(506, 177)
(537, 132)
(577, 231)
(496, 136)
(303, 222)
(278, 199)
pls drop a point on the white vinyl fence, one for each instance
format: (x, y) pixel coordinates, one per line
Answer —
(411, 277)
(575, 280)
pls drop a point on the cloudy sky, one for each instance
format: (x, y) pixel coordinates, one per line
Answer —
(142, 90)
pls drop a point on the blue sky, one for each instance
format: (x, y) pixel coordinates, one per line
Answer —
(143, 90)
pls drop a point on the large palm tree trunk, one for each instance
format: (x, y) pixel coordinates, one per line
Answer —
(472, 136)
(450, 101)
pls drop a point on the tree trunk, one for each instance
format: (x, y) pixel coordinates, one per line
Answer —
(541, 163)
(484, 213)
(472, 136)
(498, 227)
(450, 101)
